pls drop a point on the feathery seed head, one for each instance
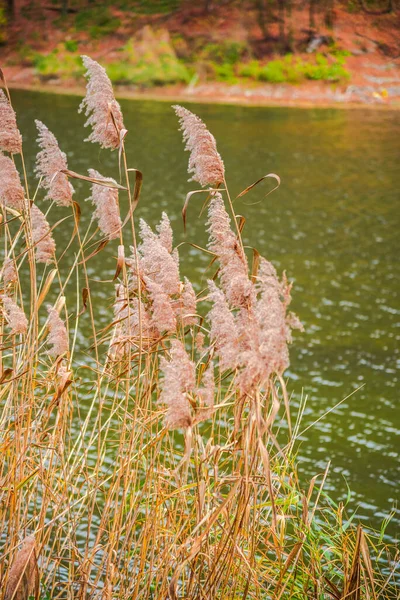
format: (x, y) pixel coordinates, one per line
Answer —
(10, 137)
(99, 104)
(235, 281)
(42, 238)
(204, 162)
(105, 200)
(11, 190)
(9, 271)
(15, 316)
(179, 378)
(50, 160)
(58, 335)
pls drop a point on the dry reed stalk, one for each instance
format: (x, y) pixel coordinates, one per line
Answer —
(23, 578)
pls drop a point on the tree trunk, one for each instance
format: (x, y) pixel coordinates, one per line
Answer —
(262, 18)
(311, 14)
(11, 8)
(282, 39)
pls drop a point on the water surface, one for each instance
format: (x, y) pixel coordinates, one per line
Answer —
(333, 226)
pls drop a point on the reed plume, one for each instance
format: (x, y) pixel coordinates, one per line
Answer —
(11, 191)
(58, 335)
(187, 304)
(10, 137)
(42, 238)
(205, 163)
(223, 242)
(105, 200)
(223, 331)
(158, 264)
(10, 274)
(15, 316)
(50, 161)
(99, 104)
(179, 378)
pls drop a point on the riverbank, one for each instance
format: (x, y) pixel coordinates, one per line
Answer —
(224, 55)
(267, 95)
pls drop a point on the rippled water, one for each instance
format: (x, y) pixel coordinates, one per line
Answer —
(333, 225)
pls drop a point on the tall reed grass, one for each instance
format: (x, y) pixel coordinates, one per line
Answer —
(179, 479)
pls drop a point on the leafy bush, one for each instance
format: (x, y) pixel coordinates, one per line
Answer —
(58, 64)
(294, 69)
(149, 60)
(97, 21)
(226, 52)
(143, 73)
(3, 23)
(71, 45)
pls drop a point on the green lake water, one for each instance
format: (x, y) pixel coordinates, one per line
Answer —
(333, 225)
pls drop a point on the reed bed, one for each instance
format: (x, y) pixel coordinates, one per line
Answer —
(178, 479)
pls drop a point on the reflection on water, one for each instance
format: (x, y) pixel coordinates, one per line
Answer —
(333, 225)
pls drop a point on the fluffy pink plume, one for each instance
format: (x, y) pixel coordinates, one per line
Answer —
(99, 104)
(49, 162)
(179, 378)
(9, 271)
(135, 269)
(204, 162)
(45, 246)
(158, 264)
(11, 190)
(265, 332)
(15, 316)
(163, 315)
(223, 329)
(105, 200)
(58, 336)
(223, 242)
(10, 137)
(187, 304)
(165, 234)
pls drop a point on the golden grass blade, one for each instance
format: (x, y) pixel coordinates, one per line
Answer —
(255, 265)
(136, 193)
(85, 297)
(286, 402)
(5, 375)
(99, 248)
(250, 187)
(367, 561)
(104, 183)
(352, 590)
(23, 580)
(293, 555)
(334, 591)
(46, 287)
(210, 519)
(188, 197)
(120, 261)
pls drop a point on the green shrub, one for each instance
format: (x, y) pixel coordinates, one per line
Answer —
(292, 69)
(148, 61)
(71, 45)
(226, 52)
(97, 21)
(3, 24)
(58, 64)
(146, 74)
